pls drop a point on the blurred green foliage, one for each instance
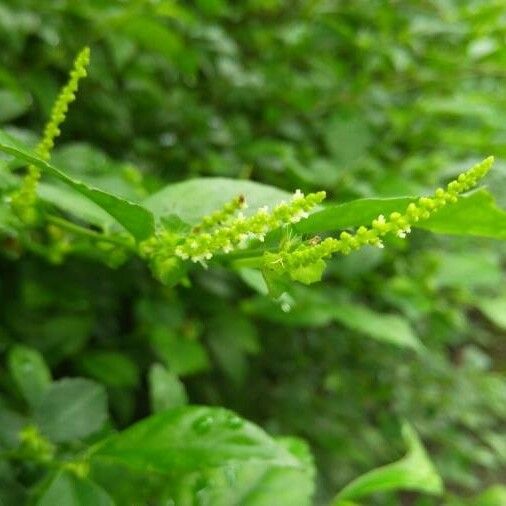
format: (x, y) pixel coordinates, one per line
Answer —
(361, 99)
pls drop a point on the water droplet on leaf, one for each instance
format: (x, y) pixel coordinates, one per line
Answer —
(234, 422)
(203, 424)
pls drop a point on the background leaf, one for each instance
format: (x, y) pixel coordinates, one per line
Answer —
(413, 472)
(193, 199)
(29, 370)
(72, 408)
(165, 388)
(66, 489)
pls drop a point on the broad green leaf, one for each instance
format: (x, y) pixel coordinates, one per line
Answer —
(71, 201)
(66, 489)
(152, 35)
(390, 328)
(474, 214)
(190, 200)
(166, 389)
(134, 218)
(71, 408)
(494, 309)
(316, 309)
(93, 167)
(472, 269)
(414, 472)
(181, 355)
(112, 368)
(493, 496)
(252, 483)
(29, 370)
(190, 438)
(351, 214)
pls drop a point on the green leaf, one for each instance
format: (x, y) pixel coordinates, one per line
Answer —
(182, 355)
(71, 409)
(11, 423)
(29, 370)
(166, 389)
(12, 104)
(350, 214)
(188, 439)
(380, 326)
(347, 138)
(113, 369)
(253, 483)
(71, 201)
(494, 309)
(474, 214)
(314, 309)
(493, 496)
(66, 489)
(134, 218)
(190, 200)
(152, 35)
(414, 472)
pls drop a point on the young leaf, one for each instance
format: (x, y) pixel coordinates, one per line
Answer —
(134, 218)
(29, 370)
(415, 472)
(193, 199)
(71, 408)
(66, 489)
(188, 439)
(166, 389)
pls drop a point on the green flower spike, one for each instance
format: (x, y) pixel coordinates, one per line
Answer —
(237, 232)
(306, 263)
(23, 200)
(221, 215)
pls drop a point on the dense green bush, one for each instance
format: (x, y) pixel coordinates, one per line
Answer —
(128, 371)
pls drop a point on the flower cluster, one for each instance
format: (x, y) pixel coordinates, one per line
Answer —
(306, 264)
(23, 200)
(159, 250)
(220, 216)
(238, 231)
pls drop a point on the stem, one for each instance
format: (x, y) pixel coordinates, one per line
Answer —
(86, 232)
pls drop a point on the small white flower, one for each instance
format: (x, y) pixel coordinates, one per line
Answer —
(298, 195)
